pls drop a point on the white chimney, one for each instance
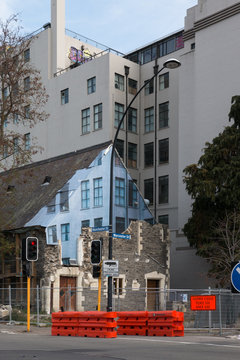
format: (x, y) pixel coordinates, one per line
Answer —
(58, 35)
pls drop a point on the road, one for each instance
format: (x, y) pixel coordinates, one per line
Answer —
(38, 344)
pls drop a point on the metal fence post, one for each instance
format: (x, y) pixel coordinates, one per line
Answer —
(10, 303)
(220, 311)
(209, 315)
(38, 305)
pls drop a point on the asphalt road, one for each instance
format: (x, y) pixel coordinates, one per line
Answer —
(38, 344)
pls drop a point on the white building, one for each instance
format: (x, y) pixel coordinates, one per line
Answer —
(90, 87)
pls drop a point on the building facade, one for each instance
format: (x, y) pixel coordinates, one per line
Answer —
(90, 86)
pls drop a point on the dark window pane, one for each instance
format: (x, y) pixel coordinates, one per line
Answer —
(148, 154)
(163, 150)
(148, 190)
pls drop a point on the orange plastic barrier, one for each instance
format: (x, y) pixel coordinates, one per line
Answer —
(165, 323)
(86, 323)
(132, 322)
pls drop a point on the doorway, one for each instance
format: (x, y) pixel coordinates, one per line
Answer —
(68, 293)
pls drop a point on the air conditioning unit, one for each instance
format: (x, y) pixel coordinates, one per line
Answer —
(73, 262)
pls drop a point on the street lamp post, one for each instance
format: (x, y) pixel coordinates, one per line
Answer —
(169, 64)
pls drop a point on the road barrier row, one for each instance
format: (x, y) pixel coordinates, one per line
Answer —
(103, 324)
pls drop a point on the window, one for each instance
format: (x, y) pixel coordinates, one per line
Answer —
(163, 219)
(148, 190)
(85, 223)
(15, 145)
(64, 96)
(163, 189)
(149, 119)
(132, 155)
(148, 154)
(120, 224)
(163, 115)
(163, 146)
(51, 206)
(149, 87)
(86, 121)
(119, 111)
(5, 122)
(27, 55)
(91, 85)
(120, 150)
(148, 54)
(132, 86)
(98, 192)
(85, 193)
(5, 151)
(98, 222)
(27, 83)
(163, 81)
(65, 232)
(64, 198)
(5, 93)
(132, 120)
(27, 111)
(27, 142)
(119, 191)
(52, 234)
(118, 286)
(15, 119)
(97, 116)
(119, 82)
(132, 194)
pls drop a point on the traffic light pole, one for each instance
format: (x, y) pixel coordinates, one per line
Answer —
(28, 302)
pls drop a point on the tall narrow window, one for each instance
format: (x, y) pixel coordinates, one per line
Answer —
(120, 147)
(163, 115)
(27, 111)
(132, 86)
(85, 194)
(27, 83)
(148, 190)
(149, 119)
(120, 224)
(132, 120)
(148, 154)
(119, 111)
(51, 207)
(27, 55)
(118, 286)
(64, 198)
(15, 145)
(52, 234)
(132, 194)
(64, 96)
(163, 150)
(132, 155)
(119, 191)
(119, 82)
(163, 189)
(91, 85)
(98, 192)
(65, 232)
(86, 121)
(27, 141)
(149, 87)
(97, 116)
(163, 81)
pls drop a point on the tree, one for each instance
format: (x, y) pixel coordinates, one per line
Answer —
(214, 185)
(22, 98)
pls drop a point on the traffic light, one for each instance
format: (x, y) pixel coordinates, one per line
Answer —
(32, 249)
(96, 271)
(96, 252)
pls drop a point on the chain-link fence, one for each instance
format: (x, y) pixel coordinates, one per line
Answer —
(44, 300)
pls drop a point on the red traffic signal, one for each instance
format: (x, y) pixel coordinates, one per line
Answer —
(32, 249)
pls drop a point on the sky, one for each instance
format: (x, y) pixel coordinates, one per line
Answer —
(123, 25)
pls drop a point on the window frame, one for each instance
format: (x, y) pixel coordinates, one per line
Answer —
(119, 82)
(52, 237)
(148, 151)
(97, 114)
(132, 120)
(149, 119)
(132, 155)
(91, 85)
(118, 114)
(98, 192)
(163, 81)
(86, 121)
(85, 194)
(163, 115)
(148, 189)
(163, 196)
(163, 151)
(65, 96)
(120, 196)
(65, 232)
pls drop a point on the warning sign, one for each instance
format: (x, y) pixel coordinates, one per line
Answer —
(203, 302)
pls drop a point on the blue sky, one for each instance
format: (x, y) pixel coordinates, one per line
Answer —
(120, 24)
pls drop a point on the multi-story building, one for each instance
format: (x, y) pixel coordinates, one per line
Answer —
(167, 126)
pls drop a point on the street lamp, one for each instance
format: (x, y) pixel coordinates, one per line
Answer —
(168, 64)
